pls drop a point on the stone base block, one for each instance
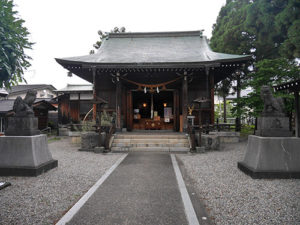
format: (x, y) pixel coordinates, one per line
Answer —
(99, 149)
(227, 136)
(63, 131)
(273, 133)
(272, 157)
(273, 127)
(89, 140)
(28, 171)
(22, 126)
(25, 155)
(200, 149)
(210, 142)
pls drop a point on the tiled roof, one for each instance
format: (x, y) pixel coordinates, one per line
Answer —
(76, 88)
(155, 48)
(26, 87)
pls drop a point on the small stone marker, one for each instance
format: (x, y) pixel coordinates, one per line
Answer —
(4, 184)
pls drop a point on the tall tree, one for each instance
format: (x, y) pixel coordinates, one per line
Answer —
(13, 42)
(223, 89)
(268, 30)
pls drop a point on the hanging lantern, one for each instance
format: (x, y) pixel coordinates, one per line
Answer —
(157, 89)
(145, 90)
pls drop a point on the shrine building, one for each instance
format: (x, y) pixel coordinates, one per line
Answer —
(151, 80)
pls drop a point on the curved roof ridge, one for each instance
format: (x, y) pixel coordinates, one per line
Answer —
(155, 34)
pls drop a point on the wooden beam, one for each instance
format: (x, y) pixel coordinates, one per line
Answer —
(297, 114)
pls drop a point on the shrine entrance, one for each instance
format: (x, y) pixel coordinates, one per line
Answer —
(153, 111)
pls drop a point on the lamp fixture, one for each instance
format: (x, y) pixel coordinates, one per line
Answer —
(144, 105)
(145, 90)
(157, 89)
(165, 104)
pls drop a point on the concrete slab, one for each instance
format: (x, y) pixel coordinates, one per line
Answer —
(142, 190)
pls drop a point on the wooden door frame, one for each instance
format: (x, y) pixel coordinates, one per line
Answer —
(129, 109)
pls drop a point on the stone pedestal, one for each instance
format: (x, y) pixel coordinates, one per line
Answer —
(272, 157)
(89, 140)
(22, 126)
(273, 127)
(25, 155)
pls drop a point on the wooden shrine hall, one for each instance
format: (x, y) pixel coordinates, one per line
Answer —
(150, 80)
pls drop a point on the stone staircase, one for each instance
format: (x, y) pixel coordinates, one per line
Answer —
(152, 141)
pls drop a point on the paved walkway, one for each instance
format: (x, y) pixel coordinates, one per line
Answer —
(142, 190)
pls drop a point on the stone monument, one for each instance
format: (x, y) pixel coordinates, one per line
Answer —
(272, 152)
(273, 121)
(24, 150)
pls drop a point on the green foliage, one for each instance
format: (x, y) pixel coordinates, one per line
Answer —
(268, 30)
(219, 110)
(13, 41)
(104, 35)
(268, 72)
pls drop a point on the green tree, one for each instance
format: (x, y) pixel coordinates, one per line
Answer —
(269, 72)
(268, 30)
(222, 89)
(13, 42)
(104, 35)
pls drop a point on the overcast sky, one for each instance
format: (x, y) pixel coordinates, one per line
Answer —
(65, 28)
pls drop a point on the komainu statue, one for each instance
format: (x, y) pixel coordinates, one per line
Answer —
(23, 107)
(272, 106)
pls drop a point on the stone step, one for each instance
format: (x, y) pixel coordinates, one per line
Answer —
(150, 136)
(150, 149)
(150, 145)
(155, 141)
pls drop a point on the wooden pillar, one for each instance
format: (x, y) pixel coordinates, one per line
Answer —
(78, 106)
(94, 93)
(238, 96)
(297, 114)
(184, 101)
(118, 102)
(129, 111)
(212, 99)
(176, 110)
(208, 91)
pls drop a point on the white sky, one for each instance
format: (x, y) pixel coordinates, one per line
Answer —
(65, 28)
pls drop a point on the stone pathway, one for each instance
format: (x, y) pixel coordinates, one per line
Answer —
(142, 190)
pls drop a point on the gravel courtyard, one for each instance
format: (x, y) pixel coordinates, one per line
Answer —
(44, 199)
(231, 197)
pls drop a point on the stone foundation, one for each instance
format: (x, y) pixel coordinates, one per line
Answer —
(273, 127)
(22, 126)
(272, 157)
(25, 155)
(89, 140)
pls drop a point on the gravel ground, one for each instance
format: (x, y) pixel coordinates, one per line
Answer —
(44, 199)
(231, 197)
